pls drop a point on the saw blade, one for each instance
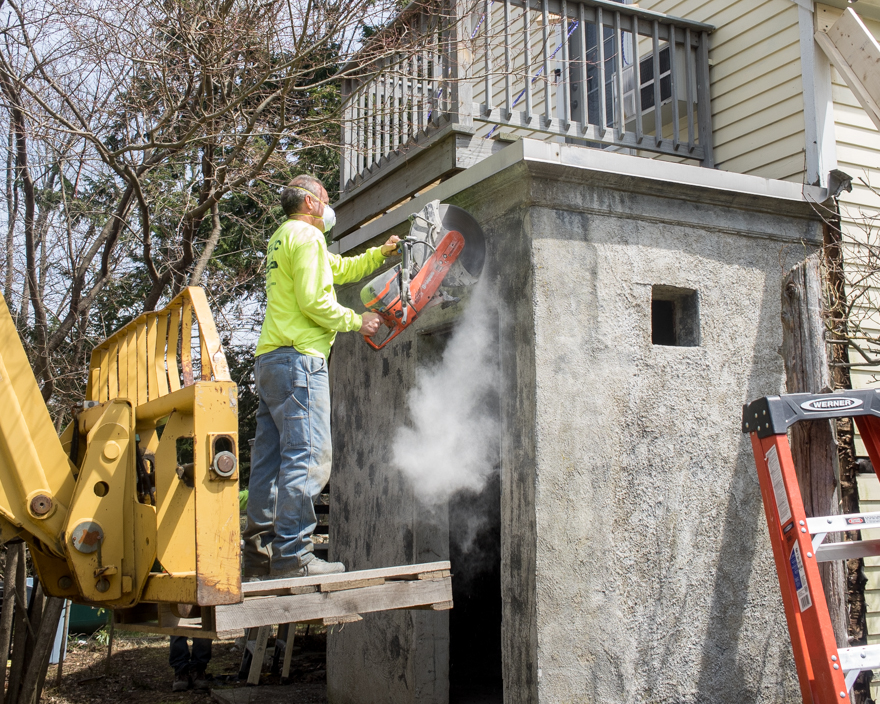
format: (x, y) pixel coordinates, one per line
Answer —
(474, 253)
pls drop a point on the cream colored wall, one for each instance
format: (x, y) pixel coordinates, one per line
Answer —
(757, 103)
(858, 154)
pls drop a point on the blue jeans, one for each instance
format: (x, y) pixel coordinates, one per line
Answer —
(180, 659)
(290, 461)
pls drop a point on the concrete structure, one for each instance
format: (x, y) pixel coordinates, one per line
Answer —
(634, 562)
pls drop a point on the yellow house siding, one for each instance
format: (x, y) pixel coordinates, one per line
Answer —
(757, 93)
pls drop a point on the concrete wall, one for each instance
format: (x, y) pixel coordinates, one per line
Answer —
(635, 562)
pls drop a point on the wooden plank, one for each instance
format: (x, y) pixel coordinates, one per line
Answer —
(307, 607)
(337, 620)
(186, 342)
(259, 655)
(113, 370)
(159, 355)
(355, 584)
(131, 386)
(152, 374)
(141, 357)
(440, 574)
(210, 339)
(104, 379)
(268, 586)
(288, 650)
(173, 336)
(439, 606)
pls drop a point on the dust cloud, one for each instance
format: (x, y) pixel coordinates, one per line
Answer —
(452, 443)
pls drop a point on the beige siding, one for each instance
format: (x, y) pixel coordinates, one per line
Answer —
(869, 500)
(757, 103)
(858, 154)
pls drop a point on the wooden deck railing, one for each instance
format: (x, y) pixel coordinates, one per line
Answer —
(551, 69)
(156, 353)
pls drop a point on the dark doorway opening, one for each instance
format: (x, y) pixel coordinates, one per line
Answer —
(475, 619)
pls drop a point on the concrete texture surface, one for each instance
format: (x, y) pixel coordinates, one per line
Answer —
(635, 561)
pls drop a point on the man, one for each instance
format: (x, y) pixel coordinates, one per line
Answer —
(189, 668)
(291, 457)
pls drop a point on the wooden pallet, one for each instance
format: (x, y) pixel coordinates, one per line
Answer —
(330, 599)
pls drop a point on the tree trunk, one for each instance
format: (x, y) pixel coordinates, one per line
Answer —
(20, 631)
(814, 446)
(8, 611)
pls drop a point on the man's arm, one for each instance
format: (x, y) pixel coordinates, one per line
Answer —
(347, 269)
(313, 285)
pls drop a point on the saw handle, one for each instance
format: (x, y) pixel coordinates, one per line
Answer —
(369, 340)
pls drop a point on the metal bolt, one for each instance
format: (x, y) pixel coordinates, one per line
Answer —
(41, 504)
(65, 582)
(803, 530)
(800, 523)
(837, 667)
(833, 658)
(843, 695)
(828, 520)
(863, 654)
(102, 585)
(809, 554)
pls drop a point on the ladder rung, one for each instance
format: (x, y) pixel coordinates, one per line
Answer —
(847, 521)
(866, 657)
(848, 551)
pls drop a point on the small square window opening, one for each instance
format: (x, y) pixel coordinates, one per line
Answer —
(675, 316)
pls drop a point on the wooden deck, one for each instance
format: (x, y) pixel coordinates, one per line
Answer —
(331, 599)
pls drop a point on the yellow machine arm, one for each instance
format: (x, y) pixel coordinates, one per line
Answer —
(137, 501)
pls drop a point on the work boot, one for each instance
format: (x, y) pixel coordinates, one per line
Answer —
(181, 682)
(285, 574)
(200, 681)
(317, 567)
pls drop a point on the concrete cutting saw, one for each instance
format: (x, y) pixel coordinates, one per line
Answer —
(445, 245)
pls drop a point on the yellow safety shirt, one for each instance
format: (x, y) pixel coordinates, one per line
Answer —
(301, 310)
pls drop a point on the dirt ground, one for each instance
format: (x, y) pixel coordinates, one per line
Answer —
(138, 673)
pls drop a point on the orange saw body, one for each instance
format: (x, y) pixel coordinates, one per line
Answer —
(387, 294)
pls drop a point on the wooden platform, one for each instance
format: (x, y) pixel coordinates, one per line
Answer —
(331, 599)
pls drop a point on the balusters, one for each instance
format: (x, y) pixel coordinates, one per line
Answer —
(566, 93)
(600, 33)
(619, 116)
(637, 79)
(487, 34)
(658, 120)
(691, 88)
(508, 67)
(545, 34)
(428, 82)
(673, 85)
(704, 112)
(527, 59)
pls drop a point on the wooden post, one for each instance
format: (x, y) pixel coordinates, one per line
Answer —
(8, 611)
(20, 627)
(814, 446)
(62, 653)
(44, 639)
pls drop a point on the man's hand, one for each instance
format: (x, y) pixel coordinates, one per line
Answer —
(390, 247)
(370, 324)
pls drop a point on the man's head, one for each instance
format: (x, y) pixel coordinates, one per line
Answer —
(304, 195)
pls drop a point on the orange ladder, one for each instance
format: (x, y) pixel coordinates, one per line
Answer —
(826, 672)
